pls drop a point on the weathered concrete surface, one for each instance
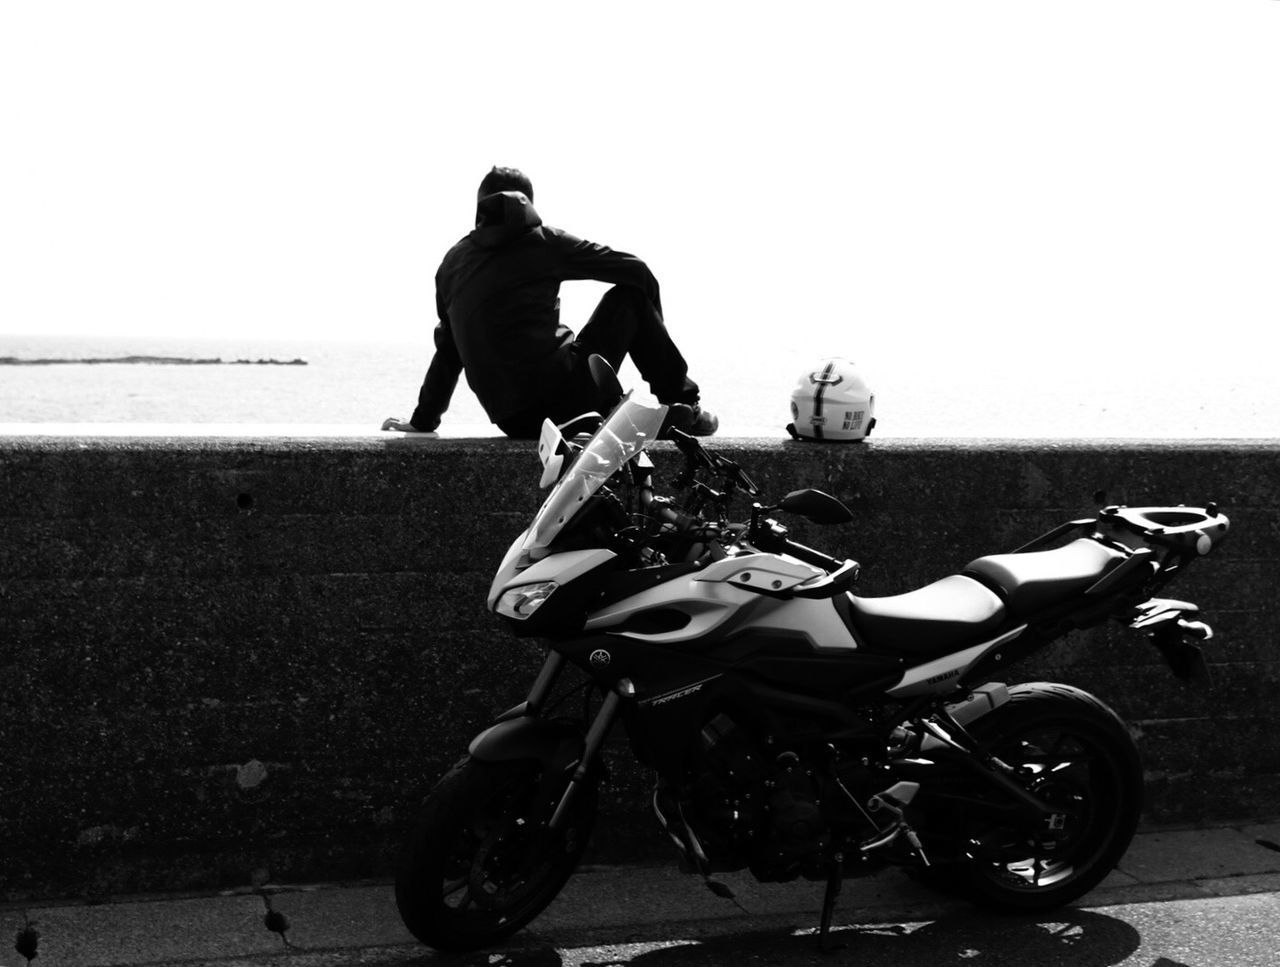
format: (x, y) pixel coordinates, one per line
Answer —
(226, 657)
(627, 914)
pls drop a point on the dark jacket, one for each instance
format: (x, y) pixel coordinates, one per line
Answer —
(498, 301)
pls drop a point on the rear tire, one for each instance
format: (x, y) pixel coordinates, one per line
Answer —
(1073, 751)
(480, 863)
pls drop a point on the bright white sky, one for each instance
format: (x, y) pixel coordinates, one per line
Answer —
(893, 176)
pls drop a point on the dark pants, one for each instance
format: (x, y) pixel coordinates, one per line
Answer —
(624, 323)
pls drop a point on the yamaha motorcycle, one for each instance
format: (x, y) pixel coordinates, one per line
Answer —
(795, 728)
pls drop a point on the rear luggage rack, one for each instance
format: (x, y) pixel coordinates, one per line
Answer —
(1189, 531)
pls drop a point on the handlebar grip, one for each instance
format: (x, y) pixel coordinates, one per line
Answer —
(810, 556)
(681, 520)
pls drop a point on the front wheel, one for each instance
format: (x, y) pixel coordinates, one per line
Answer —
(1075, 753)
(481, 862)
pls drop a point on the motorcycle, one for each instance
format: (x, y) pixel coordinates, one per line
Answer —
(795, 728)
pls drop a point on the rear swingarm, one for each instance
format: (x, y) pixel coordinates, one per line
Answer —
(953, 745)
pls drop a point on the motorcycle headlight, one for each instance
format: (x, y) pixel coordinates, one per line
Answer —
(521, 602)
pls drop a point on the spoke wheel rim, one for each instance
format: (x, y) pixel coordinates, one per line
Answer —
(504, 857)
(1067, 768)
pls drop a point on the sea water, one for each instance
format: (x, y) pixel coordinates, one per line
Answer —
(362, 383)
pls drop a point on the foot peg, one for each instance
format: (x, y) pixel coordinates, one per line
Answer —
(895, 800)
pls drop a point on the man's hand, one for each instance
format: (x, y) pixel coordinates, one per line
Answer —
(392, 423)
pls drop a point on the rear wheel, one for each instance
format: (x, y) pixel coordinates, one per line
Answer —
(480, 862)
(1075, 753)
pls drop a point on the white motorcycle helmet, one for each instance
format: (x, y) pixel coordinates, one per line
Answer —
(832, 401)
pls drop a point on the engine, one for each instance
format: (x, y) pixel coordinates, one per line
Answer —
(747, 806)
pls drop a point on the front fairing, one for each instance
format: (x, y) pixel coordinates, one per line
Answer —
(630, 428)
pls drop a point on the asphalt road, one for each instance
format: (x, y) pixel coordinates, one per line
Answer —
(1232, 931)
(1180, 898)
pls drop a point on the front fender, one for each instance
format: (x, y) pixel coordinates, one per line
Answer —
(554, 742)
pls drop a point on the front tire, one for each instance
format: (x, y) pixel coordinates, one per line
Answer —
(1071, 750)
(480, 862)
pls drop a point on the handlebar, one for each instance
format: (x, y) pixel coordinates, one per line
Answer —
(662, 510)
(837, 582)
(767, 535)
(770, 536)
(697, 457)
(810, 556)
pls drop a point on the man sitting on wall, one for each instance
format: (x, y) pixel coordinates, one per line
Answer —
(497, 298)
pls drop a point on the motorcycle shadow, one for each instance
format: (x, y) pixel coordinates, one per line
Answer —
(1079, 938)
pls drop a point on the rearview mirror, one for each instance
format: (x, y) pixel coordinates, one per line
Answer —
(816, 506)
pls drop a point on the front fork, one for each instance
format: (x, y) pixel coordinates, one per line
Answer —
(540, 689)
(597, 732)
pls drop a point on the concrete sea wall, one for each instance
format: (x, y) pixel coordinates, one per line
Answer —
(224, 659)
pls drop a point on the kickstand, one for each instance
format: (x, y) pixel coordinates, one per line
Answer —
(834, 882)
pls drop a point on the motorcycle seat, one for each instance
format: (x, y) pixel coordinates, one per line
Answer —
(930, 620)
(1037, 579)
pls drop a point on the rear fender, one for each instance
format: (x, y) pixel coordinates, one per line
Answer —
(1158, 610)
(1177, 636)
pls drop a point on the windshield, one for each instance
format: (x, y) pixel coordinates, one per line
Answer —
(629, 429)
